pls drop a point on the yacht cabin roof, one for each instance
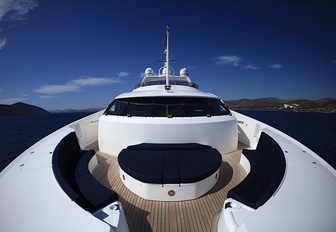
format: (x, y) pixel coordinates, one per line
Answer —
(154, 86)
(159, 91)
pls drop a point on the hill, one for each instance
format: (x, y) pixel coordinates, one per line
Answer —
(21, 109)
(77, 110)
(300, 105)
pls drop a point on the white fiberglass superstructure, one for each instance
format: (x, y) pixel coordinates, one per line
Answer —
(180, 114)
(167, 109)
(168, 157)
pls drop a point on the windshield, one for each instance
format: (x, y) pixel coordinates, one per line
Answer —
(167, 107)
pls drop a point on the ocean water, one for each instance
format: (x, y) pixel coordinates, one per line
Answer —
(315, 130)
(17, 133)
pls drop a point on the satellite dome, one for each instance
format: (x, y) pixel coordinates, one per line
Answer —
(184, 72)
(148, 72)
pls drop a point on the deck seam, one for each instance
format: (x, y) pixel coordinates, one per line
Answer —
(193, 215)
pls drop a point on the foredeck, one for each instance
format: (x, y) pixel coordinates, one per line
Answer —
(192, 215)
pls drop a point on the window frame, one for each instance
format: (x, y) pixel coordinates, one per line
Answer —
(167, 107)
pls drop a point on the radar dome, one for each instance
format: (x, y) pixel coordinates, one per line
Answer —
(184, 72)
(148, 72)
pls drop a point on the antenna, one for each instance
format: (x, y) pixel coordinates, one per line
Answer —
(167, 86)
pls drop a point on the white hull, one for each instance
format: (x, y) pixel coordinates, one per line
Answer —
(31, 199)
(48, 186)
(303, 201)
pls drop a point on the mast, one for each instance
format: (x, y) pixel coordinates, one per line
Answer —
(167, 86)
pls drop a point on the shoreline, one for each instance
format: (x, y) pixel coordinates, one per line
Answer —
(275, 110)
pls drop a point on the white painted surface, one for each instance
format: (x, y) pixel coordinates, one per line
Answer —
(248, 129)
(228, 220)
(117, 132)
(32, 200)
(245, 164)
(114, 215)
(159, 91)
(87, 129)
(93, 163)
(157, 192)
(305, 200)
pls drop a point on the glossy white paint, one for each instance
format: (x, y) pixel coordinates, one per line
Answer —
(303, 202)
(87, 129)
(117, 132)
(159, 91)
(158, 192)
(32, 200)
(113, 215)
(245, 164)
(248, 130)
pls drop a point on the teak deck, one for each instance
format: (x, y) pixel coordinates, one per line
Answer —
(192, 215)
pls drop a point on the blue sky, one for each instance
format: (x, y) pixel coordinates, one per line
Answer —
(81, 54)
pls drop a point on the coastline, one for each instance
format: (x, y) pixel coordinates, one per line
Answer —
(284, 110)
(325, 105)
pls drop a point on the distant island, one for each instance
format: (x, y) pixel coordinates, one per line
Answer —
(325, 105)
(21, 109)
(77, 110)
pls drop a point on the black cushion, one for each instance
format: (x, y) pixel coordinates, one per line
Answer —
(169, 163)
(144, 165)
(198, 164)
(169, 146)
(170, 172)
(64, 159)
(70, 167)
(82, 167)
(268, 167)
(95, 193)
(252, 191)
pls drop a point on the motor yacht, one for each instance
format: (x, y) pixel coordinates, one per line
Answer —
(168, 157)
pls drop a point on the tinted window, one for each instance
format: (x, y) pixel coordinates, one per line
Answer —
(167, 107)
(117, 108)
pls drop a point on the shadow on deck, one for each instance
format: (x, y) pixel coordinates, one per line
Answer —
(192, 215)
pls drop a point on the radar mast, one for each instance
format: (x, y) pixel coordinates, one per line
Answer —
(167, 86)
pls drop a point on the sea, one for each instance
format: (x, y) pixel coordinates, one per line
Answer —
(317, 131)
